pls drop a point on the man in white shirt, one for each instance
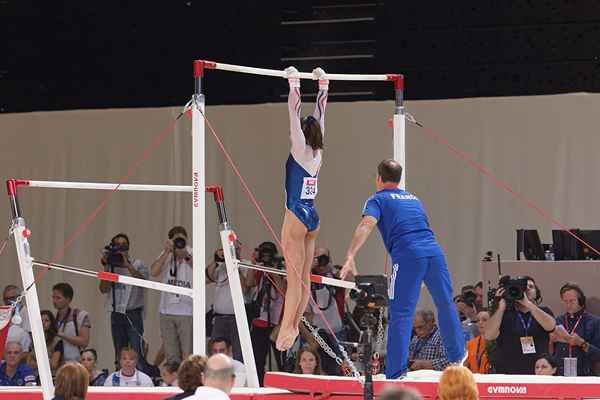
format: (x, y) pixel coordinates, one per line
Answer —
(174, 267)
(219, 377)
(73, 324)
(221, 345)
(128, 375)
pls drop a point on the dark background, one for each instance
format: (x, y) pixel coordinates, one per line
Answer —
(66, 55)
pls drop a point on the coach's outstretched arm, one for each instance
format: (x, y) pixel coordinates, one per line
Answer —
(362, 232)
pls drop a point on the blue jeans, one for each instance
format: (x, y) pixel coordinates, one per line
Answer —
(127, 330)
(405, 286)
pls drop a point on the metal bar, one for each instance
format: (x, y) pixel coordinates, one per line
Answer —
(109, 186)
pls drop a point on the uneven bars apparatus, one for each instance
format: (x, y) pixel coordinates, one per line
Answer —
(26, 262)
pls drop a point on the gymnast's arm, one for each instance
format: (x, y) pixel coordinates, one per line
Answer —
(321, 103)
(294, 106)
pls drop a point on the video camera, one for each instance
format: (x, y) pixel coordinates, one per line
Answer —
(114, 254)
(514, 289)
(371, 297)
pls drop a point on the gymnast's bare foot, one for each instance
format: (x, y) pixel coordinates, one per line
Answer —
(286, 338)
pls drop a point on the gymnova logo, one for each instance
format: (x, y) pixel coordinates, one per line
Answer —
(507, 389)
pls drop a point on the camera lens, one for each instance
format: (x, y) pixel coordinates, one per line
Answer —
(179, 243)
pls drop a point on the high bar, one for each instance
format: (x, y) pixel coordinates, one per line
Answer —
(200, 65)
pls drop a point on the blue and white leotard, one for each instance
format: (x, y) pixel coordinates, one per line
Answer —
(303, 164)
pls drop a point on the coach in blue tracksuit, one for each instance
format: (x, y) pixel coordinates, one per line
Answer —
(416, 257)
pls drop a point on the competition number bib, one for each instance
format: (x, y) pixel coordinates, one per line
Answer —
(309, 189)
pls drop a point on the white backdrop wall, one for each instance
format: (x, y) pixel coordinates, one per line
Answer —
(546, 147)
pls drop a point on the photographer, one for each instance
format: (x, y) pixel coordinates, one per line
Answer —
(124, 302)
(520, 327)
(174, 267)
(269, 306)
(224, 325)
(465, 304)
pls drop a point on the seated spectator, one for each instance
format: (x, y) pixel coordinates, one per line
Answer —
(174, 267)
(54, 344)
(189, 376)
(521, 330)
(218, 379)
(457, 383)
(393, 393)
(546, 364)
(308, 362)
(582, 326)
(73, 324)
(224, 346)
(128, 375)
(168, 373)
(71, 382)
(12, 371)
(426, 350)
(477, 358)
(89, 358)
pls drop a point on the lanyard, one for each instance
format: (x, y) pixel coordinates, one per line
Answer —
(479, 356)
(63, 322)
(570, 332)
(525, 326)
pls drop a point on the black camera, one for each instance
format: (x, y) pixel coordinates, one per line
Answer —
(114, 256)
(370, 292)
(323, 260)
(469, 298)
(514, 289)
(179, 243)
(267, 255)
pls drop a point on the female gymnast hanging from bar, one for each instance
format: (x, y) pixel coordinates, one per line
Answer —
(301, 222)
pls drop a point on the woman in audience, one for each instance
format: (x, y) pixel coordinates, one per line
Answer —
(129, 375)
(477, 359)
(546, 364)
(54, 344)
(457, 383)
(89, 357)
(71, 382)
(308, 362)
(189, 376)
(168, 373)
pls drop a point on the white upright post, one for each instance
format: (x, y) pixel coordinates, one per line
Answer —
(20, 234)
(198, 213)
(241, 320)
(399, 124)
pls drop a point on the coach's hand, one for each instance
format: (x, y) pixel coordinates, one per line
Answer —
(349, 267)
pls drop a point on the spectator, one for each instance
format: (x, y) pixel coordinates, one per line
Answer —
(584, 330)
(457, 383)
(168, 373)
(218, 379)
(9, 296)
(308, 362)
(269, 302)
(89, 359)
(12, 371)
(521, 330)
(54, 344)
(128, 375)
(190, 376)
(224, 324)
(73, 324)
(426, 350)
(223, 346)
(403, 393)
(546, 364)
(71, 382)
(477, 358)
(465, 304)
(125, 303)
(174, 267)
(479, 295)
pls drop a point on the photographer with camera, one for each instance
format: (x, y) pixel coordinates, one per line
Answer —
(520, 327)
(124, 302)
(465, 304)
(224, 325)
(268, 307)
(174, 267)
